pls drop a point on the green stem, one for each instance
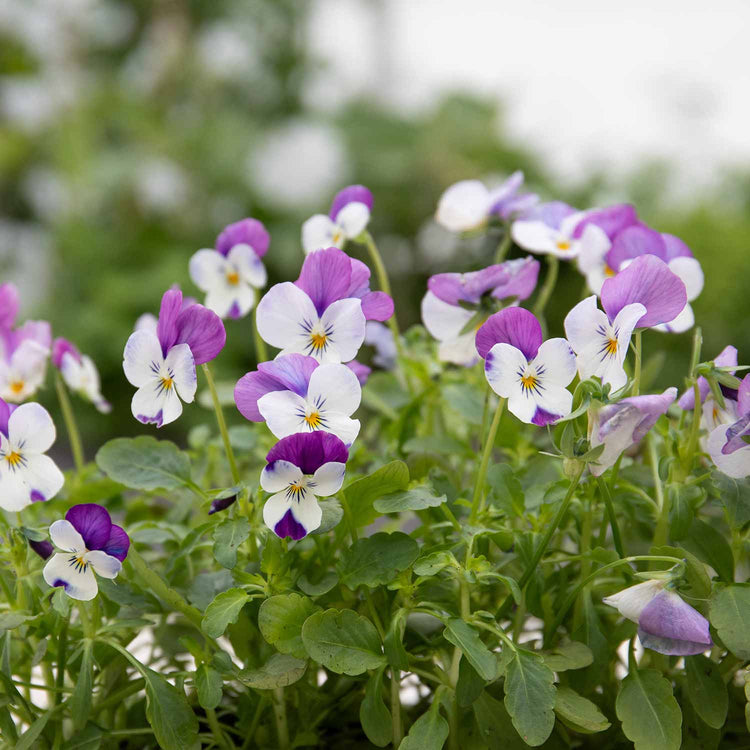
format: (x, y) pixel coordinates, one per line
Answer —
(279, 712)
(607, 497)
(477, 502)
(222, 424)
(70, 423)
(213, 723)
(505, 244)
(553, 267)
(89, 630)
(396, 706)
(661, 532)
(261, 351)
(637, 369)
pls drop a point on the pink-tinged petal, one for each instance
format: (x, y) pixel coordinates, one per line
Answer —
(649, 281)
(675, 247)
(39, 331)
(634, 241)
(325, 277)
(9, 304)
(552, 213)
(92, 522)
(246, 232)
(671, 626)
(377, 306)
(6, 410)
(202, 330)
(743, 394)
(735, 464)
(611, 219)
(166, 328)
(309, 450)
(350, 194)
(727, 358)
(361, 371)
(522, 275)
(359, 283)
(61, 347)
(513, 325)
(118, 543)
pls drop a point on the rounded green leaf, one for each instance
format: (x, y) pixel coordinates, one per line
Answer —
(281, 670)
(461, 634)
(208, 684)
(222, 611)
(579, 713)
(228, 536)
(417, 498)
(361, 494)
(530, 697)
(729, 612)
(280, 620)
(377, 559)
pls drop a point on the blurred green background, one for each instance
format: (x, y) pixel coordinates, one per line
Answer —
(133, 131)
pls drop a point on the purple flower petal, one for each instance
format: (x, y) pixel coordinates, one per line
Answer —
(521, 281)
(361, 371)
(8, 305)
(351, 194)
(542, 418)
(377, 306)
(325, 277)
(649, 281)
(611, 220)
(634, 241)
(288, 526)
(727, 358)
(552, 214)
(5, 411)
(166, 328)
(202, 330)
(467, 287)
(118, 543)
(675, 248)
(221, 503)
(61, 347)
(743, 396)
(513, 325)
(246, 232)
(290, 372)
(671, 626)
(44, 548)
(92, 522)
(359, 284)
(735, 435)
(309, 450)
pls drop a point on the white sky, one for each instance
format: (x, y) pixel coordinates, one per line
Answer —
(588, 83)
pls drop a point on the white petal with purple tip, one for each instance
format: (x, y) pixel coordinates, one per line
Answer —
(279, 475)
(630, 602)
(42, 476)
(63, 569)
(735, 464)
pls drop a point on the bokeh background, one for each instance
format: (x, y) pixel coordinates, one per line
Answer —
(132, 131)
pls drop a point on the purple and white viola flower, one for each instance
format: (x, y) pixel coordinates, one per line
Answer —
(79, 373)
(161, 365)
(447, 306)
(532, 375)
(347, 219)
(467, 205)
(729, 445)
(300, 469)
(618, 426)
(322, 314)
(230, 274)
(550, 229)
(666, 623)
(89, 543)
(27, 475)
(295, 393)
(24, 351)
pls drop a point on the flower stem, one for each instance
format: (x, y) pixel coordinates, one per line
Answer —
(505, 244)
(637, 368)
(661, 532)
(477, 502)
(553, 266)
(279, 712)
(261, 351)
(222, 424)
(396, 705)
(607, 497)
(70, 423)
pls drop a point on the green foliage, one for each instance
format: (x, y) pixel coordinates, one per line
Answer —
(376, 560)
(730, 613)
(374, 716)
(281, 618)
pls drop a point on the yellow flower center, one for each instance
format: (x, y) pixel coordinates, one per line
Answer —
(611, 347)
(338, 235)
(167, 383)
(16, 387)
(528, 382)
(609, 272)
(563, 245)
(296, 488)
(233, 278)
(313, 420)
(318, 341)
(14, 459)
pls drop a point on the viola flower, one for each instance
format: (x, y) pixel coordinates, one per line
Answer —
(161, 365)
(666, 623)
(729, 445)
(620, 425)
(27, 475)
(454, 299)
(468, 204)
(89, 543)
(347, 219)
(532, 375)
(301, 468)
(323, 313)
(24, 351)
(230, 274)
(79, 373)
(550, 229)
(381, 338)
(361, 371)
(43, 548)
(295, 393)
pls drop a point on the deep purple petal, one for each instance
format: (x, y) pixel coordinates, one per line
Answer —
(361, 371)
(309, 450)
(735, 435)
(202, 330)
(166, 328)
(552, 213)
(513, 325)
(61, 347)
(288, 526)
(118, 543)
(351, 194)
(246, 232)
(649, 281)
(634, 241)
(671, 626)
(8, 305)
(44, 548)
(325, 277)
(92, 522)
(611, 219)
(5, 411)
(377, 306)
(542, 418)
(221, 503)
(675, 248)
(522, 275)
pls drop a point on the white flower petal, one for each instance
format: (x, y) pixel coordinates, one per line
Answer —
(42, 476)
(275, 508)
(307, 512)
(353, 218)
(735, 464)
(463, 206)
(522, 406)
(248, 264)
(317, 233)
(582, 321)
(79, 583)
(329, 478)
(181, 367)
(153, 404)
(554, 399)
(683, 322)
(104, 565)
(15, 494)
(284, 412)
(690, 272)
(31, 429)
(281, 314)
(631, 602)
(207, 269)
(461, 350)
(336, 388)
(341, 426)
(555, 362)
(221, 298)
(502, 367)
(65, 537)
(443, 322)
(347, 323)
(535, 236)
(279, 475)
(142, 353)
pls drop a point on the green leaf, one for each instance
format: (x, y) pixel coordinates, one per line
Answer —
(470, 685)
(650, 715)
(317, 588)
(374, 717)
(175, 725)
(461, 634)
(89, 739)
(80, 701)
(417, 498)
(393, 643)
(144, 463)
(281, 670)
(222, 611)
(735, 494)
(228, 536)
(11, 620)
(361, 495)
(568, 655)
(342, 641)
(507, 492)
(429, 565)
(706, 690)
(376, 560)
(709, 545)
(495, 724)
(729, 613)
(208, 684)
(579, 713)
(444, 444)
(280, 620)
(428, 732)
(530, 697)
(332, 515)
(681, 512)
(696, 574)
